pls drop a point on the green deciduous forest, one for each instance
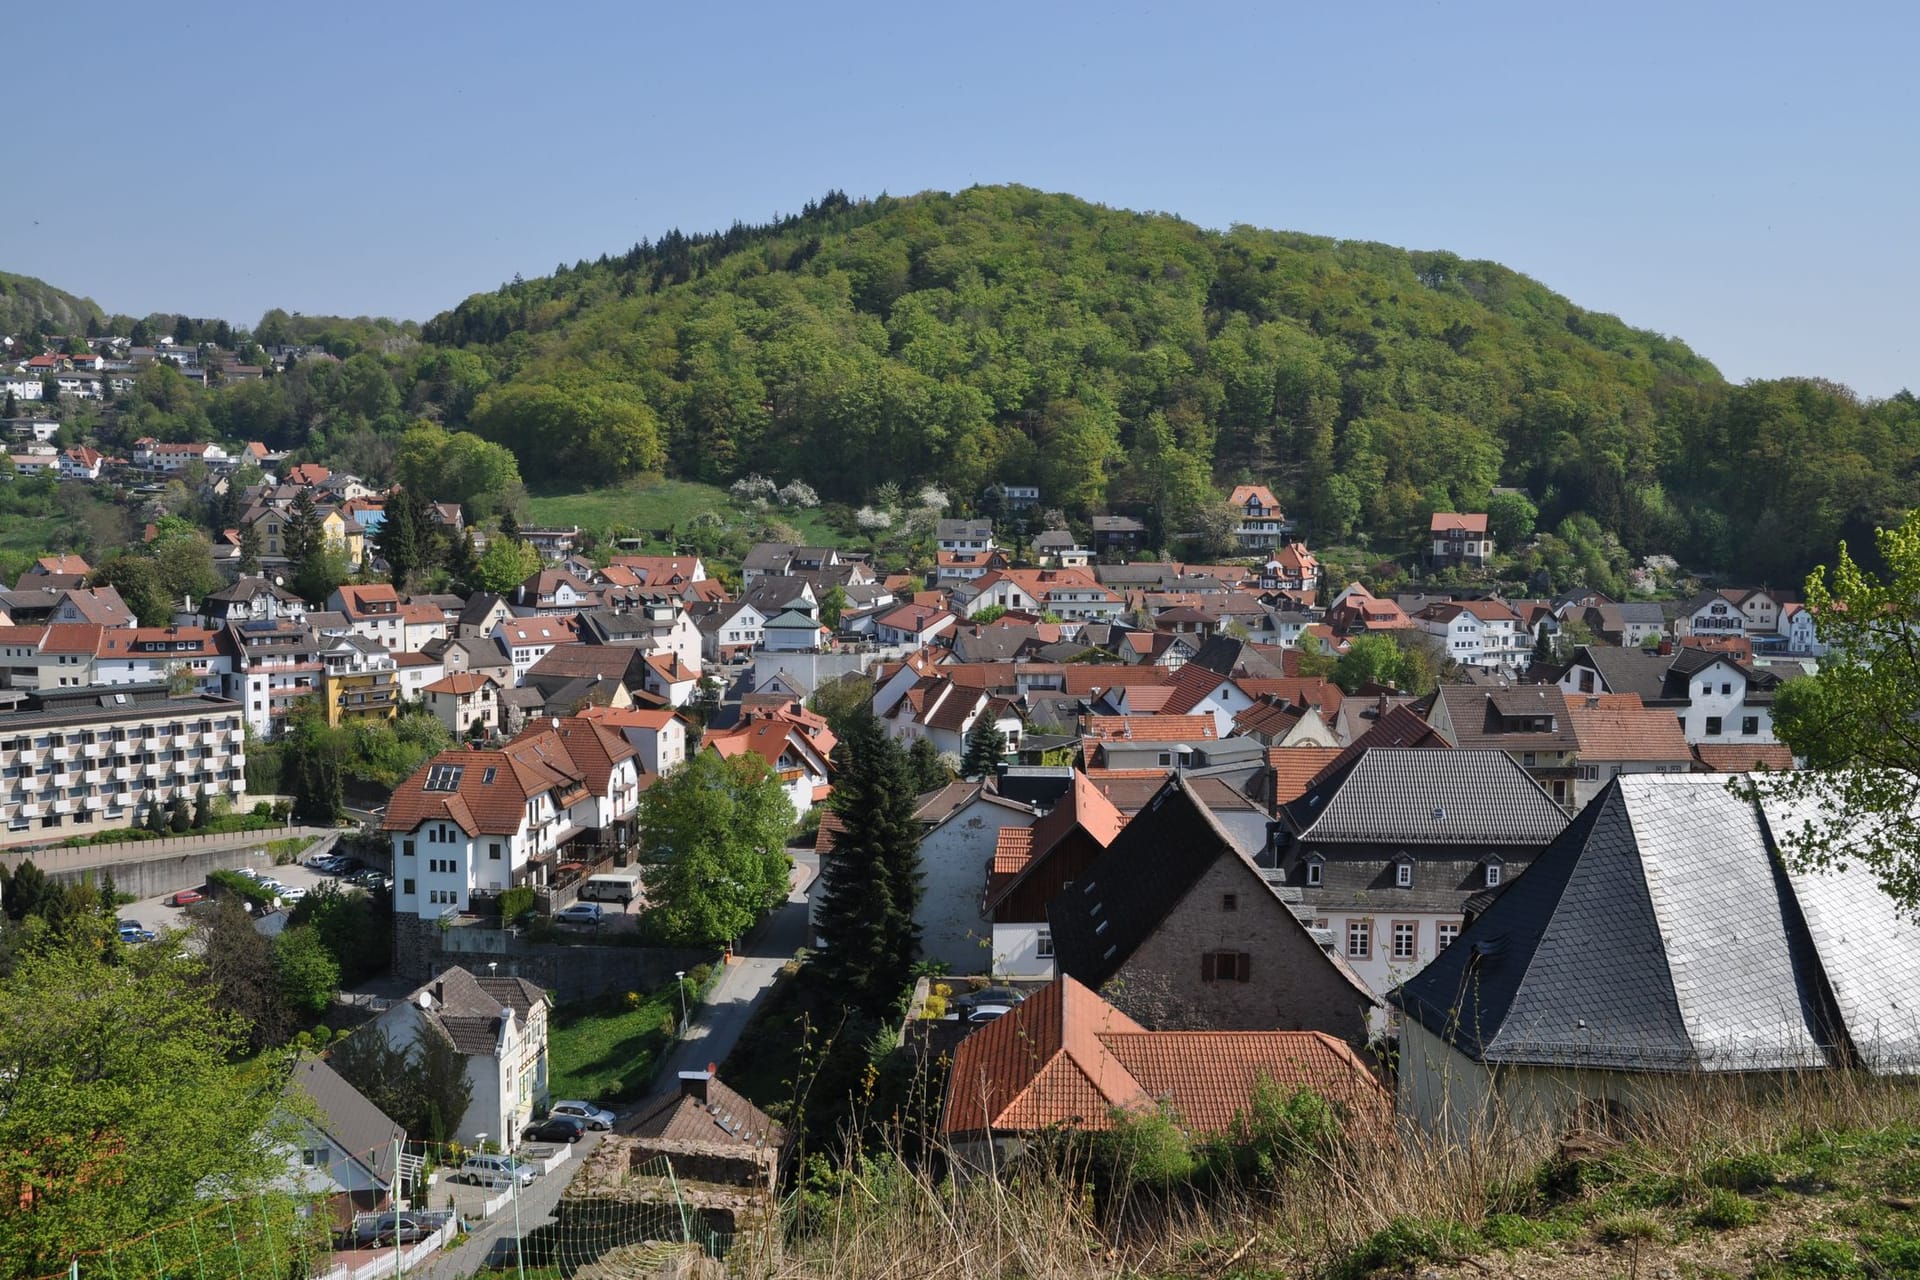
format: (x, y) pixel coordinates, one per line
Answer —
(1123, 361)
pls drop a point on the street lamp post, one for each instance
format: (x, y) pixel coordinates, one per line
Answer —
(680, 976)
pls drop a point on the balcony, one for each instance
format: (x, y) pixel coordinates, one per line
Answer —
(93, 777)
(63, 805)
(154, 768)
(181, 741)
(30, 809)
(238, 785)
(183, 767)
(93, 750)
(60, 753)
(95, 802)
(124, 773)
(29, 756)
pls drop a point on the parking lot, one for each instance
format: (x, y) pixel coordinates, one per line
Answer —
(157, 916)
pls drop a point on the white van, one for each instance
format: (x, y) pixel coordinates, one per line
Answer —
(615, 886)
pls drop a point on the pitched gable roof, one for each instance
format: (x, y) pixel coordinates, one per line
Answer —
(345, 1115)
(1067, 1058)
(1660, 933)
(1083, 808)
(1164, 850)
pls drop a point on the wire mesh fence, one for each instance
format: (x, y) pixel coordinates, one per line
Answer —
(450, 1213)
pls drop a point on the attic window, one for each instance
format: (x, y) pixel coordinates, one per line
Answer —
(1314, 867)
(488, 776)
(1494, 870)
(1403, 875)
(445, 777)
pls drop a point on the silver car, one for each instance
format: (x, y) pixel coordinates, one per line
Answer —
(585, 1112)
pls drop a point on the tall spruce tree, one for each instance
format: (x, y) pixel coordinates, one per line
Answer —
(398, 539)
(985, 745)
(923, 761)
(303, 533)
(871, 881)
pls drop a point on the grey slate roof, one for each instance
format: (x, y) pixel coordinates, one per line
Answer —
(1421, 796)
(1660, 933)
(346, 1116)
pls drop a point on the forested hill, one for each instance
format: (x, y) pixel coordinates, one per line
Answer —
(1126, 360)
(28, 305)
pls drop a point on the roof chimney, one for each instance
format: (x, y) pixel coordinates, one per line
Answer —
(693, 1084)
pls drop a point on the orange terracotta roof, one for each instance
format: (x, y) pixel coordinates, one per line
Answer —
(1743, 757)
(630, 717)
(1295, 768)
(461, 683)
(1148, 728)
(1449, 521)
(1067, 1058)
(1011, 850)
(1616, 726)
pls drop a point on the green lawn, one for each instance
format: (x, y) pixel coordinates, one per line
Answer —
(649, 504)
(606, 1050)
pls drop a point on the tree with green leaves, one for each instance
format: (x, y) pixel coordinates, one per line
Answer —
(91, 1100)
(398, 539)
(1856, 721)
(871, 881)
(239, 964)
(249, 562)
(713, 847)
(839, 699)
(833, 603)
(305, 970)
(1379, 660)
(1510, 518)
(302, 534)
(311, 763)
(924, 764)
(505, 564)
(422, 1086)
(986, 746)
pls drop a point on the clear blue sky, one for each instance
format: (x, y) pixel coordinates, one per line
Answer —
(1741, 176)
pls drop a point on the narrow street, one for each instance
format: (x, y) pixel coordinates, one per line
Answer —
(717, 1024)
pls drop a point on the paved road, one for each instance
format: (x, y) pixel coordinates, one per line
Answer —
(717, 1024)
(536, 1209)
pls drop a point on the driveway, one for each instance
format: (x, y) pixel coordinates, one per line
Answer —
(717, 1024)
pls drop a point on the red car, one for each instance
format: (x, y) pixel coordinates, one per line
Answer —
(186, 898)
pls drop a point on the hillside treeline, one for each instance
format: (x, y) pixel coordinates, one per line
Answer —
(1126, 361)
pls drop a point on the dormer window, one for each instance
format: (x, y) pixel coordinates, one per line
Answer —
(1403, 874)
(1315, 866)
(1494, 871)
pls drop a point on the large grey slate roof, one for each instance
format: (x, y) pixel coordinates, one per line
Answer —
(1427, 797)
(1661, 933)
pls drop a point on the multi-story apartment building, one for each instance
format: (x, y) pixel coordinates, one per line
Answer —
(275, 663)
(358, 680)
(80, 760)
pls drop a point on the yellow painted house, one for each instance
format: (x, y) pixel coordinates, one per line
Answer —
(360, 680)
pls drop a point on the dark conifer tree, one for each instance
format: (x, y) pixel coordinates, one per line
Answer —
(985, 745)
(872, 878)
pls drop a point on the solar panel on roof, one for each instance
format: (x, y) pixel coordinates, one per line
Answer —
(445, 777)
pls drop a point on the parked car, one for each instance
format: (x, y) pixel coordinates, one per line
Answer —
(987, 1012)
(579, 913)
(585, 1112)
(186, 898)
(988, 995)
(291, 894)
(134, 931)
(494, 1171)
(556, 1129)
(389, 1228)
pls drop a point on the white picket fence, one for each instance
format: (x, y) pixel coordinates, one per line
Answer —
(387, 1261)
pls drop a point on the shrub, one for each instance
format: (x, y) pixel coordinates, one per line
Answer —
(1747, 1172)
(1820, 1256)
(1621, 1228)
(515, 903)
(1406, 1241)
(1144, 1149)
(1725, 1210)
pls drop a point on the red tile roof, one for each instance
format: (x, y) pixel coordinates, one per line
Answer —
(1148, 728)
(1616, 726)
(1295, 768)
(1011, 850)
(1067, 1058)
(1743, 757)
(1448, 521)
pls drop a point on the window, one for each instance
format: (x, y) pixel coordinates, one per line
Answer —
(1359, 939)
(1749, 725)
(493, 851)
(1044, 947)
(1403, 875)
(1445, 933)
(1406, 939)
(1713, 726)
(1225, 966)
(406, 888)
(1313, 873)
(1229, 902)
(1726, 690)
(406, 848)
(1527, 759)
(1166, 758)
(1494, 872)
(1589, 773)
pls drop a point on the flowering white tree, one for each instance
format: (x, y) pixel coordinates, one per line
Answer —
(750, 487)
(933, 497)
(798, 493)
(871, 520)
